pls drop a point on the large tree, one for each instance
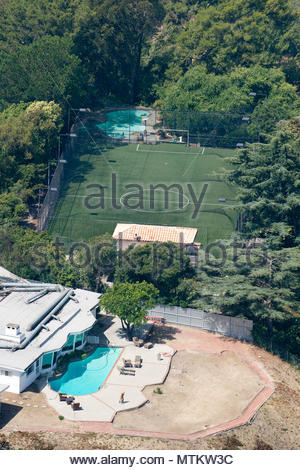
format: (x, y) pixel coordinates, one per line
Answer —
(28, 139)
(130, 302)
(259, 92)
(43, 70)
(110, 37)
(24, 21)
(227, 33)
(268, 179)
(34, 255)
(162, 264)
(252, 281)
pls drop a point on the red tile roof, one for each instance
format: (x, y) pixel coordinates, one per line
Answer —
(152, 233)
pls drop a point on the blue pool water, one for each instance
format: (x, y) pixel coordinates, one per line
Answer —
(121, 123)
(87, 376)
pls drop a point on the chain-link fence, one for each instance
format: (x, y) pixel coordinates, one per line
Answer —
(48, 207)
(153, 126)
(122, 125)
(278, 350)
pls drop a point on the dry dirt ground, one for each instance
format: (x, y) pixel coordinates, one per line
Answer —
(202, 391)
(276, 425)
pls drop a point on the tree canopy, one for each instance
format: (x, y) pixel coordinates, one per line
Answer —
(226, 68)
(43, 70)
(130, 302)
(268, 178)
(254, 282)
(162, 264)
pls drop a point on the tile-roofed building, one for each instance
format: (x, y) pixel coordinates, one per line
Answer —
(136, 234)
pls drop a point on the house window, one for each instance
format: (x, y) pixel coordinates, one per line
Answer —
(47, 361)
(55, 358)
(30, 369)
(79, 340)
(69, 344)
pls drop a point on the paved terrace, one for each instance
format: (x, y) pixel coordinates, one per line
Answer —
(104, 404)
(108, 331)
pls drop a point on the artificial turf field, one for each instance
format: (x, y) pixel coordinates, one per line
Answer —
(143, 165)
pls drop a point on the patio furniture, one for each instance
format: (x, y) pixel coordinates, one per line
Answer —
(148, 345)
(127, 362)
(138, 361)
(126, 371)
(62, 396)
(75, 406)
(137, 342)
(70, 400)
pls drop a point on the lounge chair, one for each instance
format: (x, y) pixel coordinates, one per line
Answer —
(75, 406)
(137, 342)
(127, 362)
(126, 371)
(62, 396)
(138, 361)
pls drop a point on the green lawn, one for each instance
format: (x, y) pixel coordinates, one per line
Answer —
(144, 165)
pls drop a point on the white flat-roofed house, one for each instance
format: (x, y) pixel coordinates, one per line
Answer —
(38, 323)
(128, 235)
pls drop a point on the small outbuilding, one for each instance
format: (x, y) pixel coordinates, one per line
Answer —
(136, 234)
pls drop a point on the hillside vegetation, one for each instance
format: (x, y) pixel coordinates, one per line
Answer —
(226, 56)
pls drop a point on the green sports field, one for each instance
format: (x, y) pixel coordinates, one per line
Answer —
(121, 177)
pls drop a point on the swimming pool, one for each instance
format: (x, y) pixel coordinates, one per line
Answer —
(88, 375)
(120, 124)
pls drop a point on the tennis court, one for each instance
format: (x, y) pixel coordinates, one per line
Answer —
(146, 184)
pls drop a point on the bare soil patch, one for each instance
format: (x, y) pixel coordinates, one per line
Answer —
(201, 391)
(276, 425)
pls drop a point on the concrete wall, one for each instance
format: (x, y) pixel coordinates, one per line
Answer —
(12, 380)
(18, 381)
(26, 380)
(230, 326)
(124, 244)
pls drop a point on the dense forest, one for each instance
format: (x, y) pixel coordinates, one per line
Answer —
(233, 56)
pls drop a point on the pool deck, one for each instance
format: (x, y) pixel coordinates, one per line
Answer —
(110, 332)
(104, 404)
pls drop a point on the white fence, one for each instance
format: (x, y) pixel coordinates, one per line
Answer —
(230, 326)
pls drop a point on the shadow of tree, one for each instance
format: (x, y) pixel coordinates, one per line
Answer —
(163, 333)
